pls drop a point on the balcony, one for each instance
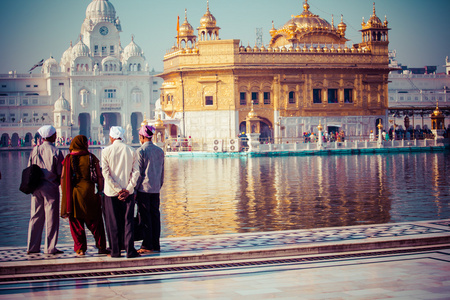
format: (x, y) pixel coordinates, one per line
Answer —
(110, 103)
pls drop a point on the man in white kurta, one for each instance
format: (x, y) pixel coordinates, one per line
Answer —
(45, 199)
(120, 169)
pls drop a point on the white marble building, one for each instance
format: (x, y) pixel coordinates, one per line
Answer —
(415, 97)
(96, 84)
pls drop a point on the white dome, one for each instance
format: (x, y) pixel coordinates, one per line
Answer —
(61, 104)
(67, 55)
(50, 62)
(80, 49)
(50, 65)
(132, 49)
(101, 11)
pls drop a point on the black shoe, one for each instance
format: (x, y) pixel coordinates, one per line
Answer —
(32, 252)
(57, 252)
(103, 251)
(135, 254)
(114, 256)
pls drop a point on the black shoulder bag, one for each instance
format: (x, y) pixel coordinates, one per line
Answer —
(31, 176)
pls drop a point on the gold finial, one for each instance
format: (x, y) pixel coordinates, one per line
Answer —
(374, 14)
(207, 5)
(185, 14)
(306, 6)
(132, 37)
(320, 126)
(380, 126)
(332, 21)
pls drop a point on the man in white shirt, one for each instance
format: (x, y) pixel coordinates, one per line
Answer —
(120, 169)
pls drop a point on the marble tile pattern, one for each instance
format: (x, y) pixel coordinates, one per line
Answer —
(246, 241)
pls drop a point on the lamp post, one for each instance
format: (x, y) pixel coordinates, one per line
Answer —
(380, 138)
(320, 139)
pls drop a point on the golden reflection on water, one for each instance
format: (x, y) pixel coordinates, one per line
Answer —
(224, 195)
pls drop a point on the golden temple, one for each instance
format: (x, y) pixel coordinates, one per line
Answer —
(306, 75)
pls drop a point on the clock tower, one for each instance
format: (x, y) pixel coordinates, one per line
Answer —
(101, 30)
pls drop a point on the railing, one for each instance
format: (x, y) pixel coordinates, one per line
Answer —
(285, 144)
(205, 145)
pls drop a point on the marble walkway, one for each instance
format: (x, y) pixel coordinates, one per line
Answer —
(401, 261)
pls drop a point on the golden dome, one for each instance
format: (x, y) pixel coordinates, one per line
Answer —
(186, 29)
(374, 21)
(272, 30)
(307, 20)
(342, 26)
(208, 19)
(159, 123)
(252, 114)
(437, 112)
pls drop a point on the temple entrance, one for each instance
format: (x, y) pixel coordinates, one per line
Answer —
(4, 141)
(136, 120)
(333, 129)
(266, 132)
(173, 131)
(28, 138)
(15, 140)
(84, 120)
(107, 120)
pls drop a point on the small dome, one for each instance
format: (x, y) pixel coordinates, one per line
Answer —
(50, 62)
(132, 49)
(101, 11)
(186, 29)
(272, 30)
(61, 104)
(50, 65)
(342, 26)
(374, 21)
(80, 49)
(67, 55)
(208, 19)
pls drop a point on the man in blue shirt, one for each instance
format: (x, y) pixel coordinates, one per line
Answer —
(151, 178)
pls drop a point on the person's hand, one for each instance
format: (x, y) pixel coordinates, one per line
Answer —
(123, 195)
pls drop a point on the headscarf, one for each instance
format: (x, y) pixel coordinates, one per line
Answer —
(147, 131)
(116, 132)
(46, 131)
(79, 143)
(80, 146)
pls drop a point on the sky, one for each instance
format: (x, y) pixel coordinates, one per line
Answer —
(37, 29)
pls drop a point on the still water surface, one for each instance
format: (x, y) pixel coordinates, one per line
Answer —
(204, 196)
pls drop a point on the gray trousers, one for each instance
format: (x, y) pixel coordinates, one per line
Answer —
(44, 212)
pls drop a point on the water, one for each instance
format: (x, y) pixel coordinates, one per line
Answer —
(206, 196)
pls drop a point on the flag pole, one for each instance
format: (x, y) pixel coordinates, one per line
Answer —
(178, 32)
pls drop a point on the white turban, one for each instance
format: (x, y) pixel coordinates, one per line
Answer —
(46, 131)
(116, 132)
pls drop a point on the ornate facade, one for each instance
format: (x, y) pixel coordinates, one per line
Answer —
(95, 85)
(306, 75)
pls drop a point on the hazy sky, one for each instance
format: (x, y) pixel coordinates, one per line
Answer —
(35, 29)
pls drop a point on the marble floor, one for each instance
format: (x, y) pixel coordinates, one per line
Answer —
(423, 275)
(419, 273)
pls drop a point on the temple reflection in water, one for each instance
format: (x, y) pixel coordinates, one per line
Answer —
(213, 196)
